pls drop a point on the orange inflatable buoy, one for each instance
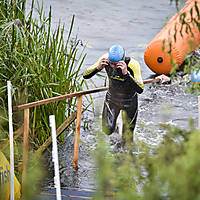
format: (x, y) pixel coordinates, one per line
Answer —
(180, 37)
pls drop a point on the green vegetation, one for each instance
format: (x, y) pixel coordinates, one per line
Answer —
(191, 62)
(40, 63)
(169, 171)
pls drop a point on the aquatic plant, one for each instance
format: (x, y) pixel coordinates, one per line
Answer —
(177, 3)
(191, 60)
(40, 63)
(169, 171)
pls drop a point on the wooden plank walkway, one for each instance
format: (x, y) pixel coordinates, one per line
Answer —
(67, 193)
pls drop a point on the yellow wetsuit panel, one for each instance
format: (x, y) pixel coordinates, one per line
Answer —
(136, 68)
(93, 68)
(133, 67)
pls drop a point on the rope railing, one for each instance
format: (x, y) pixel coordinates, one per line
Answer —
(26, 108)
(59, 98)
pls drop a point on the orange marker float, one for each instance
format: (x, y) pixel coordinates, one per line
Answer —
(177, 35)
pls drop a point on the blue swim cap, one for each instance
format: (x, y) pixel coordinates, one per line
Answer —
(195, 76)
(116, 53)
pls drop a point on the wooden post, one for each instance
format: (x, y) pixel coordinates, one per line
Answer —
(25, 149)
(77, 134)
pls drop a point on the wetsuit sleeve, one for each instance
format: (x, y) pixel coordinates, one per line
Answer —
(92, 70)
(135, 81)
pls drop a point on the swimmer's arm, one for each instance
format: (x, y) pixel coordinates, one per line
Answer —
(135, 81)
(92, 70)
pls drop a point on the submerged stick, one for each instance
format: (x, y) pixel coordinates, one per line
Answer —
(151, 80)
(61, 128)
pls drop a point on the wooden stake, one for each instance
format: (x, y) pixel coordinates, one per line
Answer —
(77, 134)
(25, 150)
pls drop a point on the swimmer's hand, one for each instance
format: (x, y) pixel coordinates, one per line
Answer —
(163, 78)
(122, 65)
(103, 62)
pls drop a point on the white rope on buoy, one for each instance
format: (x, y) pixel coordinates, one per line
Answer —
(12, 188)
(55, 157)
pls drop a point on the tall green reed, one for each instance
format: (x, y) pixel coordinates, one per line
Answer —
(40, 62)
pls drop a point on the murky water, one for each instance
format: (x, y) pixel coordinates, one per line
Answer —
(133, 24)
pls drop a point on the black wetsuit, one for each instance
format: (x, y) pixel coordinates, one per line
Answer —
(122, 93)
